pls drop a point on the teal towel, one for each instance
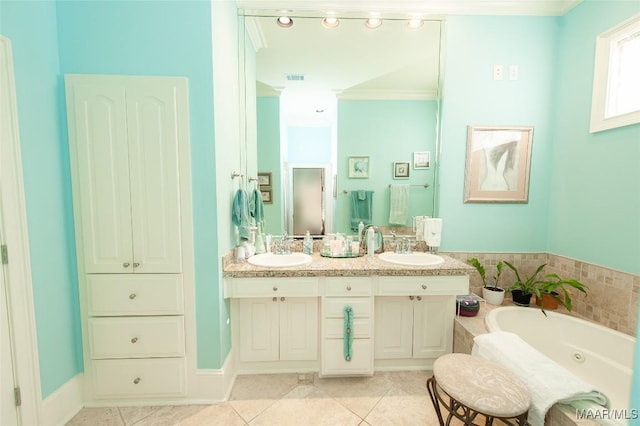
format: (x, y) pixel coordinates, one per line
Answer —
(348, 333)
(361, 208)
(240, 213)
(256, 206)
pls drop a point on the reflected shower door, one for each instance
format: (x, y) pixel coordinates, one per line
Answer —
(308, 204)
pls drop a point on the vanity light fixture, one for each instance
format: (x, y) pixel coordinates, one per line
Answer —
(415, 23)
(330, 22)
(285, 22)
(373, 23)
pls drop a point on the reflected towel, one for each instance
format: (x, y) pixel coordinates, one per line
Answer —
(240, 213)
(547, 381)
(433, 231)
(361, 208)
(256, 207)
(398, 204)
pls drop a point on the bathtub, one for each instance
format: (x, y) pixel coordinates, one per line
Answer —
(599, 355)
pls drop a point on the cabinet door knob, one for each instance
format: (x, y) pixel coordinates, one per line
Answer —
(419, 297)
(410, 297)
(424, 286)
(275, 288)
(282, 299)
(134, 340)
(348, 288)
(275, 299)
(133, 296)
(136, 264)
(126, 264)
(136, 380)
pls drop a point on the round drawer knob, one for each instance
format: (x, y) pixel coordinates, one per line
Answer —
(126, 264)
(419, 297)
(136, 380)
(133, 296)
(348, 288)
(282, 299)
(136, 264)
(275, 299)
(424, 286)
(134, 340)
(410, 297)
(275, 288)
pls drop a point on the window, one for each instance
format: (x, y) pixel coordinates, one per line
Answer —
(616, 77)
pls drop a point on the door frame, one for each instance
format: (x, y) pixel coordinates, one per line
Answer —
(328, 199)
(18, 270)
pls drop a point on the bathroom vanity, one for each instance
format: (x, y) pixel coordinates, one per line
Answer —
(293, 319)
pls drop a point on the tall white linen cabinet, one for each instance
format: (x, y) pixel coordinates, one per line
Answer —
(130, 167)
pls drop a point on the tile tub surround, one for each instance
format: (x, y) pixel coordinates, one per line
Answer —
(612, 298)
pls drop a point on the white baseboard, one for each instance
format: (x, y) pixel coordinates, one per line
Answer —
(59, 407)
(214, 385)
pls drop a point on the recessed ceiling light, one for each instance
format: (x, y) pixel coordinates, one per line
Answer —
(285, 22)
(330, 22)
(415, 23)
(373, 22)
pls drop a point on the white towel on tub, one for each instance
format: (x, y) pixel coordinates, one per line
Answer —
(548, 382)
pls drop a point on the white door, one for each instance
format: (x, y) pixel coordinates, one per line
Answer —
(259, 329)
(393, 327)
(299, 328)
(98, 139)
(153, 118)
(8, 409)
(433, 326)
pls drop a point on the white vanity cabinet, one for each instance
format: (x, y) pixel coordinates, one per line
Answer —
(415, 315)
(130, 169)
(276, 318)
(356, 293)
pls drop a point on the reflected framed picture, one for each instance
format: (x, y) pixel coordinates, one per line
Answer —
(267, 195)
(401, 169)
(498, 164)
(421, 160)
(359, 167)
(264, 178)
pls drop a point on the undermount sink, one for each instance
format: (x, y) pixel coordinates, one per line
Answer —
(280, 260)
(411, 259)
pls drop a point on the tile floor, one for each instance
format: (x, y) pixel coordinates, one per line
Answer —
(387, 398)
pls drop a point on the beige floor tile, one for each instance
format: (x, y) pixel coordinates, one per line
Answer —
(97, 417)
(404, 404)
(170, 415)
(253, 394)
(309, 406)
(358, 394)
(131, 415)
(214, 415)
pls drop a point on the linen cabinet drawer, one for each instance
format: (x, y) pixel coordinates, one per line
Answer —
(274, 287)
(333, 362)
(333, 307)
(443, 285)
(334, 328)
(139, 337)
(152, 377)
(134, 294)
(349, 286)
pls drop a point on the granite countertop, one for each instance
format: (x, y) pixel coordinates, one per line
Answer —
(344, 267)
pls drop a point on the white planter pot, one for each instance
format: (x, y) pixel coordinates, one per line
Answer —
(492, 297)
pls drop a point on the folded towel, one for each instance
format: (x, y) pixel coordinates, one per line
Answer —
(361, 208)
(398, 204)
(547, 381)
(433, 231)
(256, 207)
(240, 213)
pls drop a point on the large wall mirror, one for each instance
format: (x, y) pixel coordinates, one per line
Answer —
(346, 119)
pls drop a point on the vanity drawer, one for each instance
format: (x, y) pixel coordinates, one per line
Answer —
(348, 286)
(134, 294)
(152, 377)
(269, 287)
(334, 328)
(441, 285)
(333, 307)
(334, 364)
(136, 337)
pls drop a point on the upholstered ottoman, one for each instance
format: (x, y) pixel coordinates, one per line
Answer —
(469, 385)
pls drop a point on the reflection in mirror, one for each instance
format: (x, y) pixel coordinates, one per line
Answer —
(325, 95)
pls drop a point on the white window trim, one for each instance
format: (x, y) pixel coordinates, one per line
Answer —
(599, 121)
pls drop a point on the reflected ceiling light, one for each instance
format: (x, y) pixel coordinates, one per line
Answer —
(285, 22)
(373, 22)
(330, 22)
(415, 23)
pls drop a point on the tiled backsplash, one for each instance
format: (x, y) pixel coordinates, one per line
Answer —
(612, 297)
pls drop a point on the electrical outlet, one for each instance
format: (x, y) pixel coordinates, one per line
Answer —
(497, 72)
(513, 72)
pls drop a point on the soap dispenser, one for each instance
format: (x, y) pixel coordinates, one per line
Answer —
(360, 229)
(371, 241)
(307, 244)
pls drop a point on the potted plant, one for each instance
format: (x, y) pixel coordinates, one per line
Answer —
(491, 290)
(522, 290)
(553, 292)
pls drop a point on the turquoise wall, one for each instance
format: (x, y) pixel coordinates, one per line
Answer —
(31, 27)
(161, 38)
(594, 203)
(471, 97)
(308, 145)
